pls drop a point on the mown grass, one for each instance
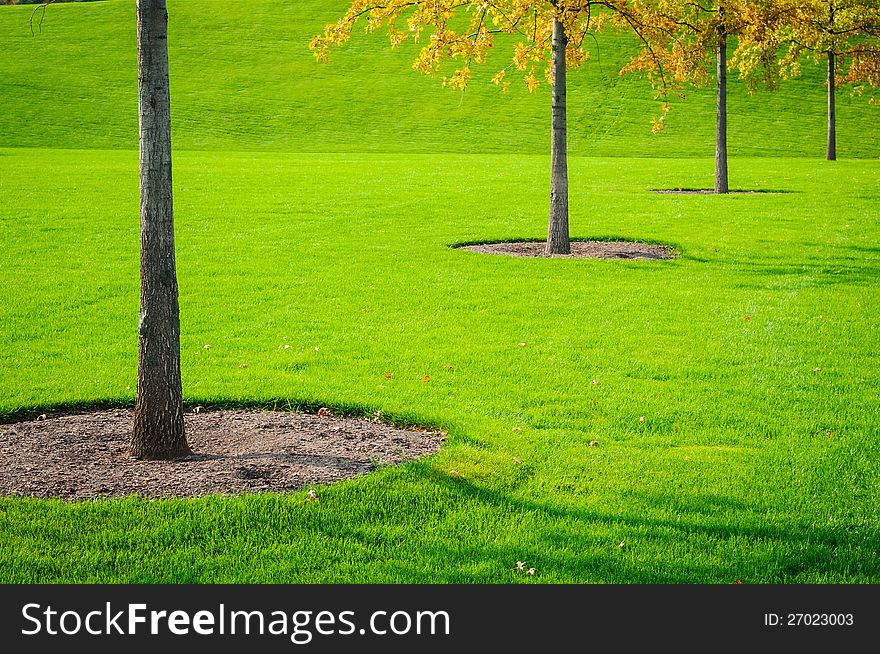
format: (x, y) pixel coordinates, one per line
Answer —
(242, 78)
(315, 207)
(751, 464)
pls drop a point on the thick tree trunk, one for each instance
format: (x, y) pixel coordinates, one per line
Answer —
(721, 185)
(831, 151)
(158, 417)
(557, 232)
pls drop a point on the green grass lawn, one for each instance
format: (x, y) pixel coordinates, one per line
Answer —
(243, 78)
(753, 358)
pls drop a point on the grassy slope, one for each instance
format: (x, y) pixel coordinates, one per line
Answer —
(733, 475)
(243, 79)
(750, 464)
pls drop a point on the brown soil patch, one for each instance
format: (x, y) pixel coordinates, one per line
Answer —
(239, 451)
(704, 191)
(580, 250)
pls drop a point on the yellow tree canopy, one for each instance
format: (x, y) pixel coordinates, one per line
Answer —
(690, 32)
(849, 29)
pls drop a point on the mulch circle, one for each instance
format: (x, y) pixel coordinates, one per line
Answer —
(705, 191)
(83, 456)
(580, 250)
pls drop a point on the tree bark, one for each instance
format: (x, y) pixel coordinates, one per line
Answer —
(557, 232)
(831, 151)
(721, 185)
(158, 417)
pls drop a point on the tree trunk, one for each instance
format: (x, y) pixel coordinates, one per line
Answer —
(721, 185)
(158, 416)
(831, 151)
(557, 232)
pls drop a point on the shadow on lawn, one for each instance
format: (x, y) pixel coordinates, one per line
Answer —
(584, 544)
(845, 270)
(864, 250)
(711, 191)
(668, 539)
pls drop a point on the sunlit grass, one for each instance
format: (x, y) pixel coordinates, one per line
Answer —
(243, 78)
(733, 393)
(752, 359)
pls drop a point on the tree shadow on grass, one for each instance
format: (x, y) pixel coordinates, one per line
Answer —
(852, 271)
(707, 538)
(864, 250)
(453, 530)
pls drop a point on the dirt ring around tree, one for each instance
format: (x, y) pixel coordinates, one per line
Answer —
(711, 191)
(83, 456)
(579, 250)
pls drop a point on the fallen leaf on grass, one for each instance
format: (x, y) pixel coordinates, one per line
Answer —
(454, 473)
(641, 419)
(244, 365)
(593, 443)
(312, 497)
(516, 459)
(521, 565)
(426, 378)
(622, 545)
(595, 382)
(389, 375)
